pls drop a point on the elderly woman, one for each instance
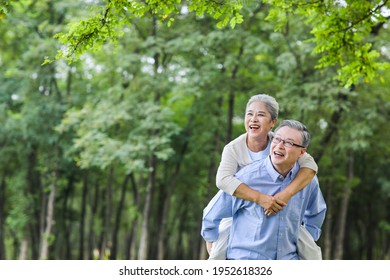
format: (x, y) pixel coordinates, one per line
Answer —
(260, 117)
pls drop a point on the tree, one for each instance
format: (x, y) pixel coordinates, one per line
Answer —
(341, 29)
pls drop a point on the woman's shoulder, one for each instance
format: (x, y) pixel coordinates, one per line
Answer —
(238, 150)
(237, 141)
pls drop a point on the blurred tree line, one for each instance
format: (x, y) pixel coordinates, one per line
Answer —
(114, 155)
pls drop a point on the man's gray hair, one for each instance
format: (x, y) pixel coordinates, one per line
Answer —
(269, 101)
(298, 126)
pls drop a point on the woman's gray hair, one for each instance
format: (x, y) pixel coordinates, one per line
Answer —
(269, 101)
(298, 126)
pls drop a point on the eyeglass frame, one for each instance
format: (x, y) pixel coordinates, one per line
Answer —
(284, 142)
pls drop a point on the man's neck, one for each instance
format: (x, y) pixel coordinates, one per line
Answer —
(282, 170)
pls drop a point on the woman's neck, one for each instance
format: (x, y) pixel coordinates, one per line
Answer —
(257, 144)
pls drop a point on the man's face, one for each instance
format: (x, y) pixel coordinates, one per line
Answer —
(283, 158)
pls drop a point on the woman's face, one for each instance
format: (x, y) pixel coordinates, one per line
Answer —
(258, 121)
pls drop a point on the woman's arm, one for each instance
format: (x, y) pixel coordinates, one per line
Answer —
(227, 182)
(305, 174)
(271, 204)
(228, 166)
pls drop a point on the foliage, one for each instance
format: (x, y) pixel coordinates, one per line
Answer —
(98, 129)
(92, 33)
(341, 30)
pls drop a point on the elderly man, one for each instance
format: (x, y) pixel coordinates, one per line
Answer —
(254, 235)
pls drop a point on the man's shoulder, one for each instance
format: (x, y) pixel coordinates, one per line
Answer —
(314, 182)
(253, 167)
(313, 185)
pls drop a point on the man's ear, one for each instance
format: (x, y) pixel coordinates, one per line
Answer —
(303, 151)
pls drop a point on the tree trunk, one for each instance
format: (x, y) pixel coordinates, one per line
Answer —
(82, 215)
(2, 218)
(33, 227)
(179, 254)
(66, 226)
(144, 242)
(332, 127)
(23, 250)
(94, 210)
(232, 81)
(118, 218)
(167, 201)
(343, 209)
(131, 252)
(107, 215)
(161, 240)
(203, 254)
(386, 239)
(43, 255)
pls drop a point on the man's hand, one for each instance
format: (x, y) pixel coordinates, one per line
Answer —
(281, 199)
(271, 204)
(208, 246)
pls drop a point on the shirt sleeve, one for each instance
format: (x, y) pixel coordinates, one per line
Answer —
(308, 161)
(315, 212)
(218, 208)
(225, 179)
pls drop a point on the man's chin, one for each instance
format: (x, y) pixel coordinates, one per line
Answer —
(277, 159)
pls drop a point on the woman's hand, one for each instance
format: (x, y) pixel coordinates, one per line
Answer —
(281, 198)
(272, 204)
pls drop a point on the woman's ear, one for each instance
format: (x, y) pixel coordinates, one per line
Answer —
(273, 123)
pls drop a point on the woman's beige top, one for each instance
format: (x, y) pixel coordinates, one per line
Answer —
(235, 155)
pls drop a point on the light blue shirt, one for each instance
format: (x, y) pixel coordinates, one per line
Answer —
(257, 236)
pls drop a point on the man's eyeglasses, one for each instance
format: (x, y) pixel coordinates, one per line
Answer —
(286, 143)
